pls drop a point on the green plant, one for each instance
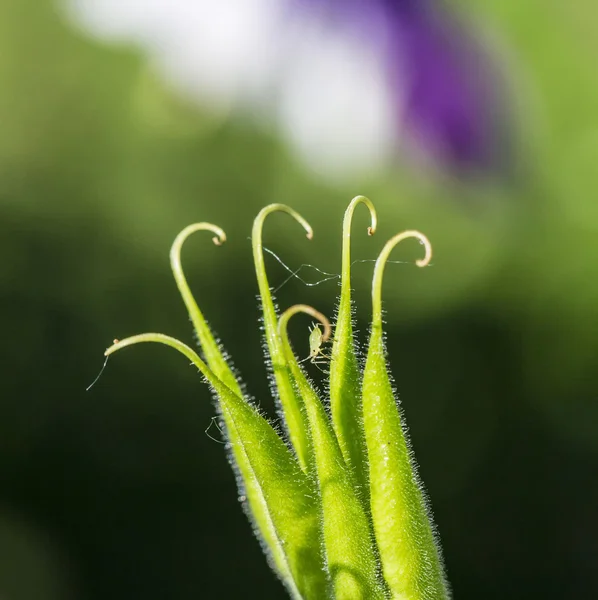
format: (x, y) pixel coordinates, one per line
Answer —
(337, 504)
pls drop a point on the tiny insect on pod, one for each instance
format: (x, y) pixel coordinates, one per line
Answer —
(316, 340)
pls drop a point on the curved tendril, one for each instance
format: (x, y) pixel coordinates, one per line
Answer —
(210, 347)
(256, 238)
(346, 252)
(175, 260)
(381, 263)
(160, 338)
(290, 401)
(309, 310)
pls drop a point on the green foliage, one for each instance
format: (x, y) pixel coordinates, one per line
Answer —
(339, 510)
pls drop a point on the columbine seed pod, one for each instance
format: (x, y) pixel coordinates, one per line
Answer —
(345, 374)
(348, 541)
(337, 505)
(409, 553)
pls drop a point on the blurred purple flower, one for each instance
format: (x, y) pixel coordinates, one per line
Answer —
(348, 82)
(444, 84)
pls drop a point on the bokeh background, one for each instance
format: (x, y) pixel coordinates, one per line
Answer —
(118, 492)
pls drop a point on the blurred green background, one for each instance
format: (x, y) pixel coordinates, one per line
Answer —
(118, 492)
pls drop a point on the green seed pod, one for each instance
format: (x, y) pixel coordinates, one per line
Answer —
(410, 556)
(339, 510)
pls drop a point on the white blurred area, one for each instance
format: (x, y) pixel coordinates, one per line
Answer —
(319, 82)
